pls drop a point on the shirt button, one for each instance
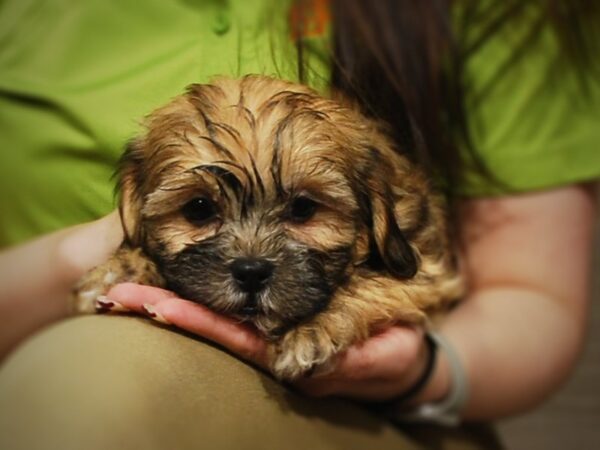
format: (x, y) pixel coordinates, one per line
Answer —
(221, 24)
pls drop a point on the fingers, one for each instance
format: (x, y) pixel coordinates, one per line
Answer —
(134, 296)
(384, 356)
(380, 368)
(165, 307)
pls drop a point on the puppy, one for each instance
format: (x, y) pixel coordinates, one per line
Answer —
(265, 201)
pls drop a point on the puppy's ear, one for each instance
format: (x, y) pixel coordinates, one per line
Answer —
(129, 174)
(389, 247)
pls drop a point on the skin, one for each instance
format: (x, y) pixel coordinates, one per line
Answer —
(518, 332)
(52, 263)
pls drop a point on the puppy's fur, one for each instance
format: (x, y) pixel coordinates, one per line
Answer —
(262, 169)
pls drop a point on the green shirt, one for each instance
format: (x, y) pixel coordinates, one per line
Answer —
(76, 77)
(536, 126)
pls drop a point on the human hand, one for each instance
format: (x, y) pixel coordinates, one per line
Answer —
(88, 245)
(383, 367)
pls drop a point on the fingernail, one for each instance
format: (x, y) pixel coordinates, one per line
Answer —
(151, 312)
(103, 304)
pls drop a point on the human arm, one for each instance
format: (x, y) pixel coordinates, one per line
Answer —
(523, 325)
(37, 277)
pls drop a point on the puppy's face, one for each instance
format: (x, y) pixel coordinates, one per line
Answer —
(257, 198)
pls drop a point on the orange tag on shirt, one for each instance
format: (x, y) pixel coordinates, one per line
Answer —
(309, 18)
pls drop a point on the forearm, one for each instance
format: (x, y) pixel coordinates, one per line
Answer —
(512, 360)
(36, 277)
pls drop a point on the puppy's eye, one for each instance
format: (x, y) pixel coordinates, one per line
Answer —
(199, 210)
(302, 209)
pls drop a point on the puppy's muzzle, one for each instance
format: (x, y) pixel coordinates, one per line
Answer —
(251, 274)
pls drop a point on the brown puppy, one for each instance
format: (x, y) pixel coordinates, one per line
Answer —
(267, 202)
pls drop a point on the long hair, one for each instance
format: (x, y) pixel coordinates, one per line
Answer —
(404, 61)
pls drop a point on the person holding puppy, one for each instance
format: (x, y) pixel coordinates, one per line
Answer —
(506, 347)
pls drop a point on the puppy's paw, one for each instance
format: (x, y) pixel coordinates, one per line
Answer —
(93, 286)
(302, 351)
(126, 265)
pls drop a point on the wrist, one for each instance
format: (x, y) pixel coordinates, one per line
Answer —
(420, 374)
(443, 399)
(439, 383)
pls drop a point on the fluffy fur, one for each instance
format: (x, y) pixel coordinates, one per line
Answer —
(350, 231)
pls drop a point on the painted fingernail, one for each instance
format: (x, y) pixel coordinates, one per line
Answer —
(151, 312)
(103, 304)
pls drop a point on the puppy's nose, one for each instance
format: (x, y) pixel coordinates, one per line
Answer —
(251, 274)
